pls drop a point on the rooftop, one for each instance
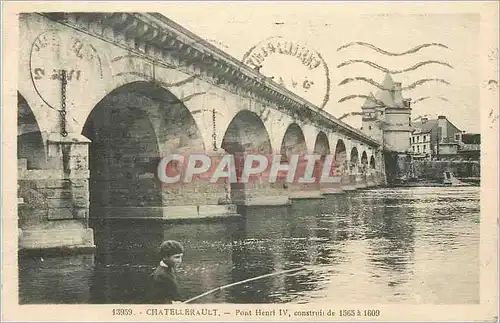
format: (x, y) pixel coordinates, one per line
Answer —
(388, 96)
(385, 94)
(425, 127)
(370, 102)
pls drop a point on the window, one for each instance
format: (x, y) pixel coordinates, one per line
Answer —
(418, 149)
(424, 148)
(418, 138)
(457, 136)
(413, 139)
(381, 113)
(413, 148)
(425, 138)
(370, 127)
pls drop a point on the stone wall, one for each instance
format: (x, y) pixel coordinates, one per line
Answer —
(402, 166)
(433, 170)
(195, 193)
(45, 199)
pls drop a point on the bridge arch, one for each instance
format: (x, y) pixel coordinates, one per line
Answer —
(354, 159)
(364, 160)
(322, 148)
(372, 162)
(30, 142)
(246, 133)
(340, 155)
(322, 145)
(293, 141)
(130, 129)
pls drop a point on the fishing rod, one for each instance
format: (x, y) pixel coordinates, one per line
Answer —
(242, 282)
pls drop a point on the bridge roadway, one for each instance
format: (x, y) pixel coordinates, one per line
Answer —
(135, 88)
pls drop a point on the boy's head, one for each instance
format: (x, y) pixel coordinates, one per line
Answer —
(171, 252)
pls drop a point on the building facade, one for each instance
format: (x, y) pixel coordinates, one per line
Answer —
(440, 139)
(421, 144)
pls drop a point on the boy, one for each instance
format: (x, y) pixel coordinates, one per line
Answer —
(165, 289)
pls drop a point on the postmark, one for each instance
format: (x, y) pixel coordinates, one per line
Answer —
(52, 53)
(294, 65)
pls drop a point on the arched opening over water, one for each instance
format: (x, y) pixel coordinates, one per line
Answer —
(354, 160)
(246, 133)
(340, 156)
(322, 145)
(364, 160)
(30, 145)
(293, 142)
(131, 129)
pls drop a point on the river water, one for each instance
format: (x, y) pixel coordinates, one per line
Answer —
(405, 245)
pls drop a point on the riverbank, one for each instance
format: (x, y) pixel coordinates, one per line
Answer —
(460, 181)
(431, 184)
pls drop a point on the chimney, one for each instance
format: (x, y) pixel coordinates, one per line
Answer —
(443, 124)
(398, 96)
(424, 120)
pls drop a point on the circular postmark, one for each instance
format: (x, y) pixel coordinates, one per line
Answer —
(53, 52)
(294, 65)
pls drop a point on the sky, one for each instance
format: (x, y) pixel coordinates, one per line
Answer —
(236, 28)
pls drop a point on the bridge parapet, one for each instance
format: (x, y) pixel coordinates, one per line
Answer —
(163, 42)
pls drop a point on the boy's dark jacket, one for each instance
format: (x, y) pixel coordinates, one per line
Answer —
(164, 287)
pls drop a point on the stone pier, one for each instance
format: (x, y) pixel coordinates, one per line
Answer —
(53, 203)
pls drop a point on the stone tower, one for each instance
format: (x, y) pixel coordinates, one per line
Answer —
(372, 117)
(387, 117)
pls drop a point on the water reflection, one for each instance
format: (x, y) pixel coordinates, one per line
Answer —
(124, 260)
(404, 245)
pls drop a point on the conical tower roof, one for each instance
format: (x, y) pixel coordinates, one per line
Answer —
(370, 102)
(385, 94)
(388, 82)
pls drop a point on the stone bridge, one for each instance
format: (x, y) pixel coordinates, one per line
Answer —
(103, 96)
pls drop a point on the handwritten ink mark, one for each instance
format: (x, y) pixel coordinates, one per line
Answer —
(380, 50)
(414, 67)
(380, 86)
(429, 97)
(370, 98)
